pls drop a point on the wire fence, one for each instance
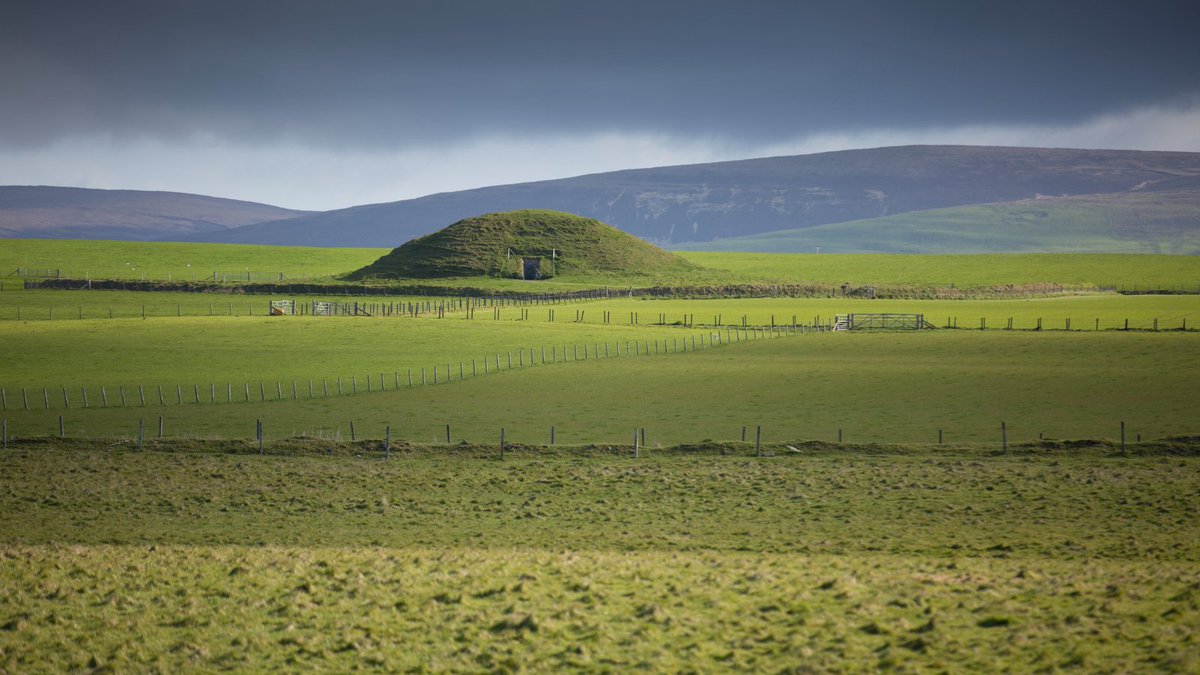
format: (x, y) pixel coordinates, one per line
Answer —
(68, 397)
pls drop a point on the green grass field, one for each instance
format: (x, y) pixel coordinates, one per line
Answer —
(159, 261)
(889, 550)
(884, 388)
(187, 262)
(121, 561)
(1125, 272)
(1083, 310)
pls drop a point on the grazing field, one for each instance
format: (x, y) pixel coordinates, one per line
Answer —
(884, 388)
(827, 561)
(1083, 310)
(1125, 272)
(195, 262)
(271, 349)
(159, 261)
(943, 500)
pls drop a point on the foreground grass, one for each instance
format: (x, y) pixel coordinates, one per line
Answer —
(821, 561)
(888, 388)
(1078, 505)
(208, 608)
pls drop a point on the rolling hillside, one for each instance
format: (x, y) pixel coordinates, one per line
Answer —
(43, 212)
(1136, 222)
(704, 202)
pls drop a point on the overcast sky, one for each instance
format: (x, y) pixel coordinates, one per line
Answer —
(322, 105)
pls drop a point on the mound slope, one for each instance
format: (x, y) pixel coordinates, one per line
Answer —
(522, 244)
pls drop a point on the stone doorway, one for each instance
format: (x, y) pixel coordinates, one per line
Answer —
(531, 268)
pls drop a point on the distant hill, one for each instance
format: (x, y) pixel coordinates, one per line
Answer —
(522, 244)
(704, 202)
(1135, 222)
(43, 212)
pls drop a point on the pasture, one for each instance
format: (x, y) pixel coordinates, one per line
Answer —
(828, 561)
(890, 522)
(196, 262)
(882, 388)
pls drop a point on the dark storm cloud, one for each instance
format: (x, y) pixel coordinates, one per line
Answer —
(388, 75)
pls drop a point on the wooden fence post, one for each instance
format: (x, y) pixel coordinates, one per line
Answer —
(387, 442)
(447, 434)
(501, 443)
(1004, 437)
(758, 441)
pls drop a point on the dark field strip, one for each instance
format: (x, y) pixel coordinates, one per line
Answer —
(1080, 504)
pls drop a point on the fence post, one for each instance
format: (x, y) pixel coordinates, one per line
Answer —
(551, 434)
(447, 434)
(1004, 437)
(636, 448)
(1122, 437)
(61, 427)
(160, 426)
(758, 442)
(387, 442)
(259, 432)
(501, 443)
(139, 433)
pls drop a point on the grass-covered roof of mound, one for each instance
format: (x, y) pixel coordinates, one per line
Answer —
(493, 245)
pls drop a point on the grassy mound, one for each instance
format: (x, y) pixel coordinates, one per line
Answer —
(496, 244)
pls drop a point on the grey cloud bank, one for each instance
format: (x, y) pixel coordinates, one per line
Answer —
(318, 105)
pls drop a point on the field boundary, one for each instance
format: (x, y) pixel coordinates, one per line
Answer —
(380, 448)
(140, 396)
(789, 290)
